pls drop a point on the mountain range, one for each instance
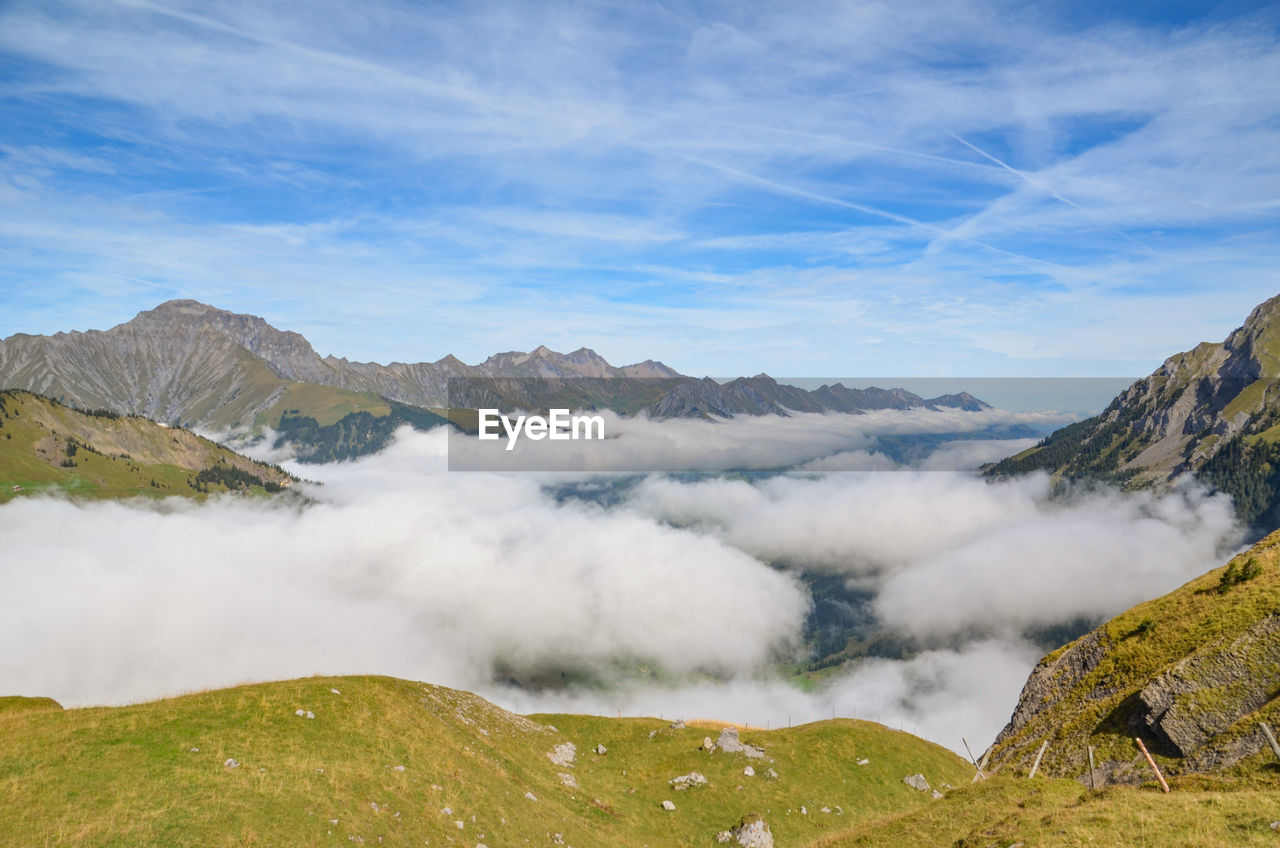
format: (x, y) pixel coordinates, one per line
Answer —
(191, 364)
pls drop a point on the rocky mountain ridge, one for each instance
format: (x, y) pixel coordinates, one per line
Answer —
(1212, 412)
(186, 362)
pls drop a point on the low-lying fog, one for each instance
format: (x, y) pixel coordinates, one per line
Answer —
(460, 578)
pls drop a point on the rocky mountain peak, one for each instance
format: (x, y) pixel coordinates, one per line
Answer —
(288, 353)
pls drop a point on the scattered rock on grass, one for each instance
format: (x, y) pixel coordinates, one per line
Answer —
(601, 750)
(751, 831)
(231, 763)
(729, 743)
(684, 781)
(564, 754)
(668, 806)
(917, 782)
(749, 771)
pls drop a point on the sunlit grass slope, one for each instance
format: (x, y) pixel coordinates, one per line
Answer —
(45, 446)
(1046, 813)
(392, 762)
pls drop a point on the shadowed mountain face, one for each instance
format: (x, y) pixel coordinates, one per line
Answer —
(1212, 412)
(190, 363)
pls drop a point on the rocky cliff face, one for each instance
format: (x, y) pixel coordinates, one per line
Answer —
(1192, 673)
(1212, 412)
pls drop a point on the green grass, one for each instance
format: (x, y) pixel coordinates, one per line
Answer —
(327, 404)
(20, 704)
(154, 774)
(128, 775)
(1045, 813)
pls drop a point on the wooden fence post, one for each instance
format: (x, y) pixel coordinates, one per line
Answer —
(973, 760)
(1152, 763)
(1275, 748)
(1093, 783)
(1036, 767)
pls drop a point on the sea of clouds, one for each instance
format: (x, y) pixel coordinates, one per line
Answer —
(398, 566)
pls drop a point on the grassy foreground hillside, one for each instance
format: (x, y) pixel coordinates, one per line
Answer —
(1193, 673)
(391, 762)
(45, 446)
(1055, 813)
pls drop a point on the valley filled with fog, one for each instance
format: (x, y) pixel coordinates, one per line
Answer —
(684, 594)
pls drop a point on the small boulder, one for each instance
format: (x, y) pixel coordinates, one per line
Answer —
(564, 754)
(678, 724)
(684, 781)
(601, 750)
(751, 831)
(531, 796)
(917, 782)
(749, 771)
(863, 762)
(730, 744)
(936, 794)
(231, 763)
(708, 745)
(668, 806)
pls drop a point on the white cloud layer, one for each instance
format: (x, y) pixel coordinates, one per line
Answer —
(807, 441)
(402, 568)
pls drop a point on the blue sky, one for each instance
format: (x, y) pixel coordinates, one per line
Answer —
(808, 189)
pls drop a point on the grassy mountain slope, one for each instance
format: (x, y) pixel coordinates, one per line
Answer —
(382, 759)
(47, 446)
(1192, 673)
(1213, 412)
(1048, 813)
